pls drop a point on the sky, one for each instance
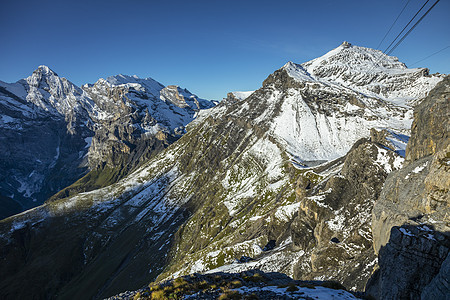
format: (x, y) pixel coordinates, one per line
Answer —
(209, 47)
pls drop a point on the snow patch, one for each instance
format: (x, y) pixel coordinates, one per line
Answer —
(285, 213)
(420, 168)
(242, 95)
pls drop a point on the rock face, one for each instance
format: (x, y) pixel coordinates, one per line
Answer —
(334, 225)
(419, 192)
(408, 263)
(439, 287)
(263, 177)
(54, 132)
(430, 131)
(416, 198)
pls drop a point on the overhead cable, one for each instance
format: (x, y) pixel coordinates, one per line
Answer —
(430, 56)
(405, 27)
(414, 26)
(392, 25)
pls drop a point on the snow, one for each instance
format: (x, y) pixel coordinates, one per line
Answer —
(269, 263)
(7, 119)
(264, 169)
(242, 95)
(297, 72)
(369, 72)
(430, 236)
(420, 168)
(286, 212)
(399, 141)
(315, 137)
(383, 159)
(337, 223)
(318, 200)
(88, 142)
(406, 232)
(151, 86)
(318, 292)
(270, 156)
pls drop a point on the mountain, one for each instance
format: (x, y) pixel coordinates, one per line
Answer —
(283, 180)
(45, 120)
(53, 132)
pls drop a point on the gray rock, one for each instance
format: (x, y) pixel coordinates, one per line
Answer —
(409, 262)
(431, 126)
(439, 287)
(419, 192)
(416, 198)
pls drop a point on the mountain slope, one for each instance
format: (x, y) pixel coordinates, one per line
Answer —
(234, 185)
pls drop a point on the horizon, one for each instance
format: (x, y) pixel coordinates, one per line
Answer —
(213, 56)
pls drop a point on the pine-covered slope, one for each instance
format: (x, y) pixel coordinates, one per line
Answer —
(247, 179)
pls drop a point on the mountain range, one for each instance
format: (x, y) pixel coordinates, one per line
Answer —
(54, 133)
(143, 182)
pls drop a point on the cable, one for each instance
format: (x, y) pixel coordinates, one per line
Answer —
(409, 31)
(405, 27)
(414, 26)
(429, 56)
(392, 25)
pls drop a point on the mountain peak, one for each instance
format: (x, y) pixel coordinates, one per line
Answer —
(346, 44)
(362, 59)
(43, 69)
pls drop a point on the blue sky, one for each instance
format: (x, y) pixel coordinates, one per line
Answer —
(210, 47)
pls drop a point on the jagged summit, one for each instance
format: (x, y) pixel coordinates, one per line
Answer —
(45, 69)
(360, 57)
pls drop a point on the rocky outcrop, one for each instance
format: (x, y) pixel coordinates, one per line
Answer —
(417, 198)
(439, 287)
(419, 192)
(408, 263)
(334, 225)
(430, 131)
(140, 118)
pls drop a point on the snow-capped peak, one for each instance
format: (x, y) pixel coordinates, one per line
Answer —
(241, 95)
(361, 59)
(152, 86)
(367, 71)
(54, 94)
(45, 70)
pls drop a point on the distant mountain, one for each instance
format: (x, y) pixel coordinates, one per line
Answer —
(283, 179)
(54, 132)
